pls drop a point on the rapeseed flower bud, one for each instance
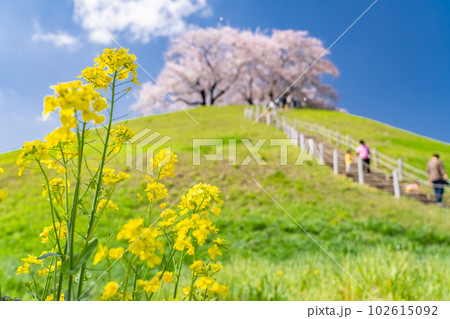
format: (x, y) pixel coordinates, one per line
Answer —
(163, 164)
(106, 203)
(111, 178)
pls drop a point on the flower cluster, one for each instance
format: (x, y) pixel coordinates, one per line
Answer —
(72, 98)
(107, 204)
(120, 135)
(163, 164)
(143, 242)
(31, 260)
(56, 145)
(63, 155)
(180, 234)
(111, 292)
(57, 187)
(55, 231)
(105, 253)
(111, 178)
(114, 61)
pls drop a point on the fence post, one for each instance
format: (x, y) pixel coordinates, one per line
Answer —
(306, 127)
(296, 123)
(375, 157)
(302, 141)
(268, 120)
(321, 150)
(338, 139)
(256, 113)
(400, 169)
(295, 137)
(311, 147)
(360, 171)
(396, 183)
(277, 123)
(316, 129)
(335, 162)
(330, 132)
(347, 141)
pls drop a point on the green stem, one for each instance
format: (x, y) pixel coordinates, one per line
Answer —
(51, 204)
(178, 274)
(98, 185)
(71, 225)
(125, 282)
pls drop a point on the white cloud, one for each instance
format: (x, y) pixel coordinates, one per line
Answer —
(58, 39)
(140, 20)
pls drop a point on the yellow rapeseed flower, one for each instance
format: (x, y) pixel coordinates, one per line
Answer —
(106, 203)
(166, 277)
(120, 135)
(204, 283)
(220, 289)
(43, 272)
(151, 286)
(186, 291)
(101, 254)
(116, 253)
(111, 178)
(110, 290)
(214, 251)
(25, 269)
(3, 195)
(117, 60)
(51, 297)
(163, 164)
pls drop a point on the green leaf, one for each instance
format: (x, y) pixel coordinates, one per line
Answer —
(87, 252)
(80, 259)
(47, 255)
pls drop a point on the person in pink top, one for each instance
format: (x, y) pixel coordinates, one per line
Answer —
(364, 153)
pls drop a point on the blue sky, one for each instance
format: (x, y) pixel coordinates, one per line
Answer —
(394, 62)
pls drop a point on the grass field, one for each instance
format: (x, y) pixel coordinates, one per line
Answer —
(394, 249)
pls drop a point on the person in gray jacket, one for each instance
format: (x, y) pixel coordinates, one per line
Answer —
(437, 176)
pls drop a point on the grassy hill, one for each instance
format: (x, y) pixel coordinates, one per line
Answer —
(414, 149)
(394, 249)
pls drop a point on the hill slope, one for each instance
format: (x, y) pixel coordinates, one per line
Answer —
(414, 149)
(394, 249)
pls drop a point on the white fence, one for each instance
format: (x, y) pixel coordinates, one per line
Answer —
(396, 168)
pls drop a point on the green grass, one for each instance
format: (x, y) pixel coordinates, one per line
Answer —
(414, 149)
(394, 249)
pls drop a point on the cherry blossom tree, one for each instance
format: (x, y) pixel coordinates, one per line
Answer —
(227, 66)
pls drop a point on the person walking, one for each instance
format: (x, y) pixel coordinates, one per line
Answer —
(363, 151)
(348, 162)
(437, 176)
